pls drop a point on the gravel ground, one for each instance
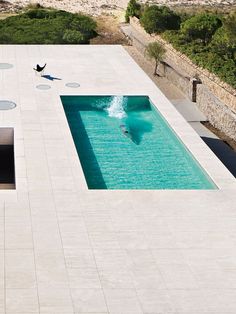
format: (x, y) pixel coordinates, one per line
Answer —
(96, 7)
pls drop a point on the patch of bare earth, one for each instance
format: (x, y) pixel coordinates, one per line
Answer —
(108, 30)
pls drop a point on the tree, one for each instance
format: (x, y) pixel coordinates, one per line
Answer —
(156, 19)
(201, 26)
(155, 51)
(133, 9)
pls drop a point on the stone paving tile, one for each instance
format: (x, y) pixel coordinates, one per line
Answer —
(122, 301)
(20, 170)
(147, 278)
(63, 183)
(46, 234)
(2, 213)
(116, 279)
(189, 301)
(17, 209)
(2, 269)
(156, 301)
(2, 301)
(79, 258)
(51, 269)
(161, 241)
(140, 258)
(65, 249)
(55, 300)
(72, 225)
(22, 301)
(221, 300)
(20, 269)
(74, 240)
(104, 240)
(111, 259)
(67, 204)
(18, 233)
(168, 256)
(132, 240)
(178, 276)
(88, 300)
(97, 223)
(84, 278)
(122, 224)
(203, 240)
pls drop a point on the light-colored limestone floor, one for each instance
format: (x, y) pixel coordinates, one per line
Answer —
(65, 249)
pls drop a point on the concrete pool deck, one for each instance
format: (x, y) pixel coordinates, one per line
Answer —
(65, 249)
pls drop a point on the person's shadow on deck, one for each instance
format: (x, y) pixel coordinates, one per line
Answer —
(51, 78)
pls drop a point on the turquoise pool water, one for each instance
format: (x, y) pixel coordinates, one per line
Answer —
(124, 143)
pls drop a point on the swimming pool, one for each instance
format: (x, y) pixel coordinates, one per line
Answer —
(123, 142)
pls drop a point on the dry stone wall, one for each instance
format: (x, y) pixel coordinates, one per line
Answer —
(186, 67)
(181, 81)
(180, 70)
(219, 115)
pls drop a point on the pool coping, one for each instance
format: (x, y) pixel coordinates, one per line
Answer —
(213, 167)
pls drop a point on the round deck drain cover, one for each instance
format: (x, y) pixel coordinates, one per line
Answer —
(43, 86)
(73, 85)
(7, 104)
(5, 66)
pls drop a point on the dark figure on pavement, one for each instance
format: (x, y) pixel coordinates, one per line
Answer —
(40, 69)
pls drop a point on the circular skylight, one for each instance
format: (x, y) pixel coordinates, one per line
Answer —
(72, 85)
(5, 66)
(43, 86)
(7, 104)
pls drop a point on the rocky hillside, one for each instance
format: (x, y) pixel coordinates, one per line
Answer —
(210, 3)
(95, 7)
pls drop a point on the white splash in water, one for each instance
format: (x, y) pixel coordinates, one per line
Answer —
(116, 108)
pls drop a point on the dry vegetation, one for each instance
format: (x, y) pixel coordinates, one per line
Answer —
(108, 29)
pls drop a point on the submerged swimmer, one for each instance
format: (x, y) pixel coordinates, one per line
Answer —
(126, 132)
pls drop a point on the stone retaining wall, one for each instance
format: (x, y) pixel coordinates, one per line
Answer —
(217, 99)
(182, 82)
(219, 115)
(183, 64)
(164, 68)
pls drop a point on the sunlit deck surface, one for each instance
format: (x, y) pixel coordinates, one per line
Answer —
(65, 249)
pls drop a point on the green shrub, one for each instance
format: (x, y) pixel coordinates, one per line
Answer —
(84, 24)
(45, 26)
(156, 19)
(201, 26)
(222, 44)
(224, 40)
(133, 9)
(72, 36)
(218, 61)
(202, 38)
(230, 26)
